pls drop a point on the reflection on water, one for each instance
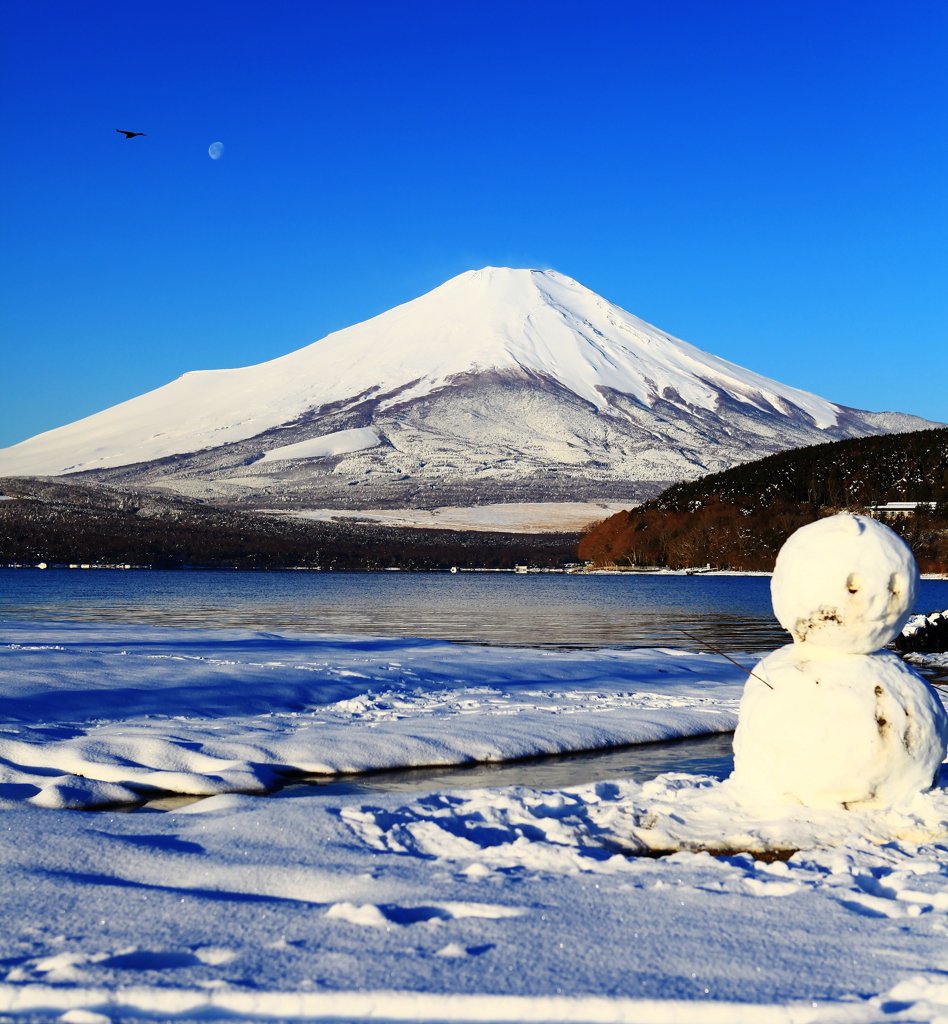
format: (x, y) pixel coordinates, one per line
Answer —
(731, 612)
(592, 611)
(700, 755)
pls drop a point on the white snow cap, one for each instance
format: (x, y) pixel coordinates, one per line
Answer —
(846, 582)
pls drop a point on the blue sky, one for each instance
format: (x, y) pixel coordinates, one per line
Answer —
(764, 179)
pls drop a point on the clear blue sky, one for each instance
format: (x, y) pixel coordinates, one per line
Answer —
(765, 179)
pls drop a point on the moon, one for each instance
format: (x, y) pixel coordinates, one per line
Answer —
(215, 150)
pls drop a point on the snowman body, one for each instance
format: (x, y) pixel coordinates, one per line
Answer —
(831, 721)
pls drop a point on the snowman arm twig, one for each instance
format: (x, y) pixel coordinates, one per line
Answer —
(705, 643)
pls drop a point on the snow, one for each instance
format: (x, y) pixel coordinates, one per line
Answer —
(846, 582)
(935, 661)
(510, 517)
(95, 715)
(510, 904)
(585, 827)
(340, 442)
(825, 722)
(476, 906)
(839, 731)
(527, 321)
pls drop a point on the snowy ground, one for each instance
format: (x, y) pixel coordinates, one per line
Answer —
(503, 905)
(97, 714)
(514, 517)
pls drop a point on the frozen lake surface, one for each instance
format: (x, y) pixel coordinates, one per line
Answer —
(732, 612)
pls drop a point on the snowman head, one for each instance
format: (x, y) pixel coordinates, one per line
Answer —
(846, 582)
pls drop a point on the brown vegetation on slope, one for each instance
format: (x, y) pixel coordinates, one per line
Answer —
(739, 519)
(719, 534)
(731, 537)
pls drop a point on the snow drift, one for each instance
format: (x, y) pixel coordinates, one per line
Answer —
(102, 714)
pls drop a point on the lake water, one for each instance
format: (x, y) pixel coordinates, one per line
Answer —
(731, 612)
(635, 610)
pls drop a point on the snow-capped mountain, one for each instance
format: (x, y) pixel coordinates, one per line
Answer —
(500, 382)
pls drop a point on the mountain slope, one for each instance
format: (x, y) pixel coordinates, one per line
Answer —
(498, 380)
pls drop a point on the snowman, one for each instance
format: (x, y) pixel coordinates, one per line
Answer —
(831, 720)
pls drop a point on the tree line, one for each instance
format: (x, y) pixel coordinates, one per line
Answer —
(739, 518)
(58, 523)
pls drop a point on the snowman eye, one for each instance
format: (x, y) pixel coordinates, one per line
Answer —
(854, 583)
(895, 584)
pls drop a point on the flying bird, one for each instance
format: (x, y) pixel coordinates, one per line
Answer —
(128, 135)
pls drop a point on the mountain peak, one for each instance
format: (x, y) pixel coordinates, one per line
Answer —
(497, 367)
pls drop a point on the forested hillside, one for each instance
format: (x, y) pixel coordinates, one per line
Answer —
(53, 522)
(740, 518)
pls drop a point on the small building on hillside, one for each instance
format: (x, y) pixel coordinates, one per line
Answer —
(900, 508)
